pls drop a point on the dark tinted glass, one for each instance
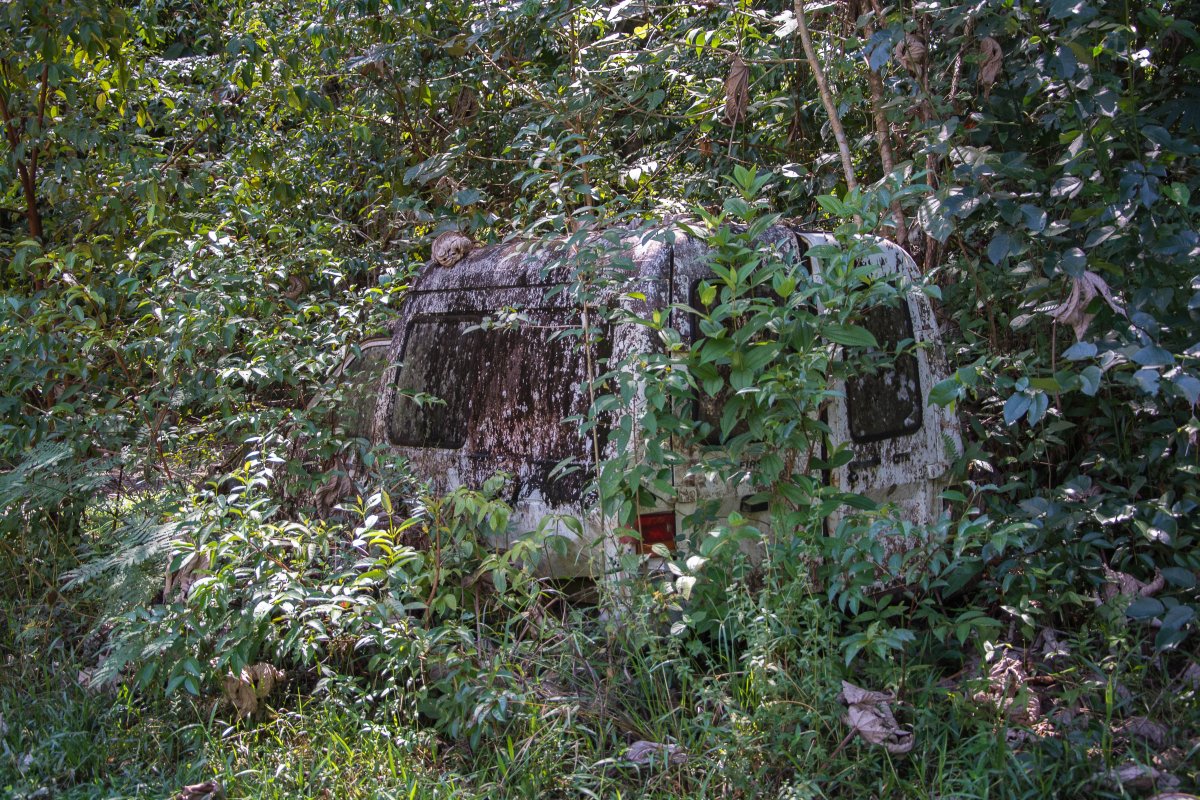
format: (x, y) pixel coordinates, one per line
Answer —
(888, 403)
(506, 392)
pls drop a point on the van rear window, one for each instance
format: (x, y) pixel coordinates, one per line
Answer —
(888, 403)
(505, 391)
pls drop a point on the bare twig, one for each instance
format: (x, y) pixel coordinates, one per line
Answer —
(884, 137)
(835, 122)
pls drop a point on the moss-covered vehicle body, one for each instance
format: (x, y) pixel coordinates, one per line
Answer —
(496, 339)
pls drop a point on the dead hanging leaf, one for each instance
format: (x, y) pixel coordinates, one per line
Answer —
(643, 752)
(1073, 310)
(737, 91)
(209, 790)
(1152, 733)
(1138, 776)
(297, 285)
(465, 106)
(992, 64)
(253, 684)
(179, 583)
(451, 247)
(1121, 583)
(1007, 679)
(373, 63)
(912, 55)
(870, 716)
(330, 493)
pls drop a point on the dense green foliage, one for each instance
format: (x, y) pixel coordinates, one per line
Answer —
(205, 207)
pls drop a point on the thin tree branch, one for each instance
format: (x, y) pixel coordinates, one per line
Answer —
(835, 122)
(884, 137)
(41, 119)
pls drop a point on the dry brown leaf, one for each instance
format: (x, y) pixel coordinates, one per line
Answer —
(912, 55)
(1007, 678)
(451, 247)
(1122, 583)
(643, 752)
(209, 790)
(870, 716)
(331, 493)
(297, 285)
(1138, 776)
(1052, 647)
(1073, 310)
(993, 63)
(465, 106)
(1152, 733)
(253, 684)
(179, 583)
(737, 91)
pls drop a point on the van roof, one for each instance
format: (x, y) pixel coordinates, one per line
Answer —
(526, 263)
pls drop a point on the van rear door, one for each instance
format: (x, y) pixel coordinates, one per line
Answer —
(900, 442)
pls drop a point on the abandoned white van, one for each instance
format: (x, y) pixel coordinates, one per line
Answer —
(505, 391)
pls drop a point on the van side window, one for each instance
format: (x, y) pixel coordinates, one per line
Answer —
(888, 403)
(437, 361)
(505, 391)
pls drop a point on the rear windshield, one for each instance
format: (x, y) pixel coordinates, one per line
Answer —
(882, 405)
(886, 404)
(505, 391)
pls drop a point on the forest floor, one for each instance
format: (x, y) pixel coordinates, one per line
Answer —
(1051, 722)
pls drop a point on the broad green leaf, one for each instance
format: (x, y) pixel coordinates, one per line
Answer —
(850, 335)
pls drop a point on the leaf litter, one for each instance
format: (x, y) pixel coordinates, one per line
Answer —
(869, 714)
(253, 684)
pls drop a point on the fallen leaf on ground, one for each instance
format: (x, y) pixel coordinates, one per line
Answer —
(1007, 678)
(870, 716)
(255, 682)
(1122, 583)
(1138, 776)
(209, 790)
(1170, 759)
(1052, 647)
(1152, 733)
(643, 752)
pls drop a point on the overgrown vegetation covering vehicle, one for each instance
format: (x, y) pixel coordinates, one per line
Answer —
(204, 207)
(495, 366)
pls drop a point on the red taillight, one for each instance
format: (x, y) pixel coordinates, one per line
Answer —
(658, 528)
